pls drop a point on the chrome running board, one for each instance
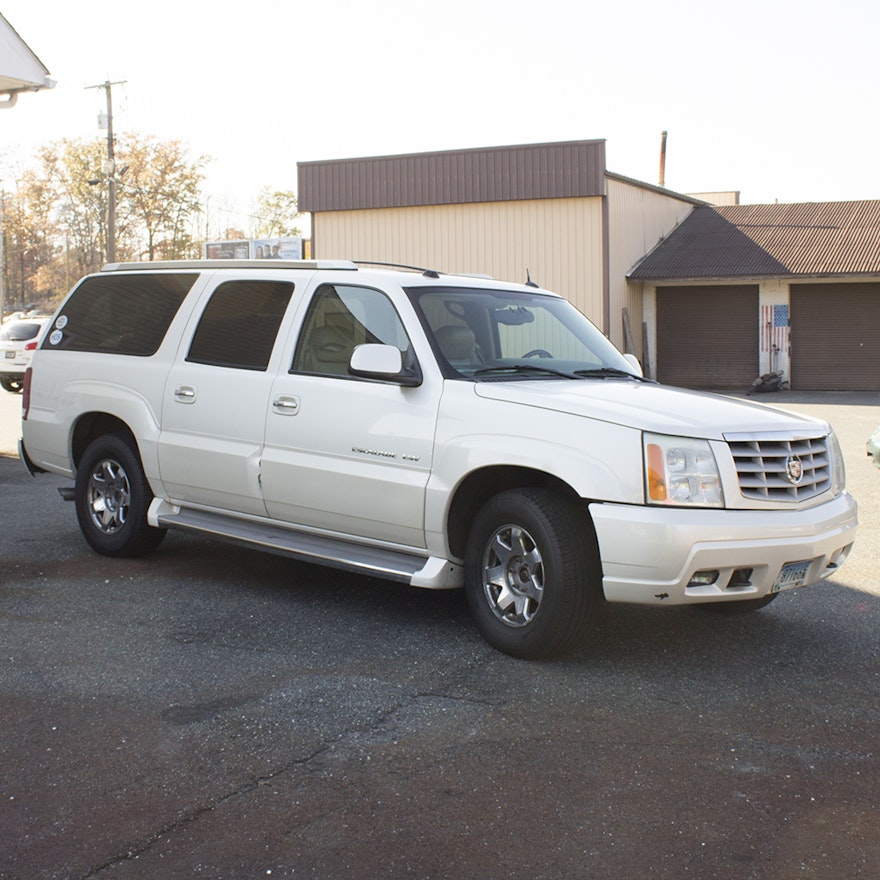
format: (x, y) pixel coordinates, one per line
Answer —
(419, 571)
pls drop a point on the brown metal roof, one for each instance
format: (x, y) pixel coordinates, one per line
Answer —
(815, 239)
(494, 174)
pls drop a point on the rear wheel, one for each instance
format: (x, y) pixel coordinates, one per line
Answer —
(12, 385)
(112, 497)
(532, 573)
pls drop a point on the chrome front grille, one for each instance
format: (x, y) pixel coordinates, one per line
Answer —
(774, 469)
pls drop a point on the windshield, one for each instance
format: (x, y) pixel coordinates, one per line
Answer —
(486, 334)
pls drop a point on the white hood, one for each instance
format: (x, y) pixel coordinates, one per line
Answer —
(645, 406)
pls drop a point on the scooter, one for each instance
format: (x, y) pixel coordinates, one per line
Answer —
(769, 382)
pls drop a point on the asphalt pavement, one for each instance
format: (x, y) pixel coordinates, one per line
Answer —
(210, 712)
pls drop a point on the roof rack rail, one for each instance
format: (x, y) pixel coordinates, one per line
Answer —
(428, 273)
(345, 265)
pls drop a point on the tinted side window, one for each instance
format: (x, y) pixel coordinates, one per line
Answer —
(120, 314)
(240, 323)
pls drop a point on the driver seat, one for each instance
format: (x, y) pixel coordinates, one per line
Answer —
(459, 345)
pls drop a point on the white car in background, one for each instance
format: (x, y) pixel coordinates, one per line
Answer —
(19, 338)
(874, 447)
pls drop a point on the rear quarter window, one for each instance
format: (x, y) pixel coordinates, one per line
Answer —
(120, 314)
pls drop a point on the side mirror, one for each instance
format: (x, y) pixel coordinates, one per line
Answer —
(383, 362)
(634, 363)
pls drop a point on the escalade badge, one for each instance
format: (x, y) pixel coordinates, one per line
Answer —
(794, 469)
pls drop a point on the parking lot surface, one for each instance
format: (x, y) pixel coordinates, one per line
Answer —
(212, 712)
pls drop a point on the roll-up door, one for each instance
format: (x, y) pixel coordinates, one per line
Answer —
(835, 337)
(707, 337)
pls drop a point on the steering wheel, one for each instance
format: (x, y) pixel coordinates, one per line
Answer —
(538, 352)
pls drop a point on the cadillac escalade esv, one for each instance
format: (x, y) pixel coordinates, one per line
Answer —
(440, 430)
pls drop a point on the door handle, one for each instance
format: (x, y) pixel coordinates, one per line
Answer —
(285, 405)
(185, 394)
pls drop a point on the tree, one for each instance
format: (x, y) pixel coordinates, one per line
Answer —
(275, 212)
(159, 195)
(31, 232)
(55, 221)
(233, 233)
(69, 174)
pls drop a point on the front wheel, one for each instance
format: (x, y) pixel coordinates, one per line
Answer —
(112, 497)
(532, 573)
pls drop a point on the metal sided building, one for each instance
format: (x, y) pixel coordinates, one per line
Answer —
(738, 291)
(551, 212)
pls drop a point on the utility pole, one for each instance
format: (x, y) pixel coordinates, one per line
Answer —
(110, 169)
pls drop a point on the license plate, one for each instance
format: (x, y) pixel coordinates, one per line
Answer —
(11, 354)
(794, 574)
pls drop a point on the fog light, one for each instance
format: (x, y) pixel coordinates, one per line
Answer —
(703, 578)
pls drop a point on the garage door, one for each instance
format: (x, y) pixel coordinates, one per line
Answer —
(835, 337)
(707, 337)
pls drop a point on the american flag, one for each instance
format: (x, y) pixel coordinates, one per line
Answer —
(774, 328)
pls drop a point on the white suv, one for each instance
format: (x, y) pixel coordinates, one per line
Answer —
(440, 430)
(18, 341)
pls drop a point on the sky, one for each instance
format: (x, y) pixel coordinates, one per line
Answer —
(776, 99)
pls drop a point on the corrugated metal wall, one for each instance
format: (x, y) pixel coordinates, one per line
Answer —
(638, 217)
(500, 211)
(491, 174)
(559, 241)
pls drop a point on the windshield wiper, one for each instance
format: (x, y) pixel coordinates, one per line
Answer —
(608, 372)
(526, 368)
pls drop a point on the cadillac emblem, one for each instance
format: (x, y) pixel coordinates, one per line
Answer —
(794, 469)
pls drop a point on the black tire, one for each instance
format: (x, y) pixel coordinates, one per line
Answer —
(13, 386)
(732, 609)
(112, 497)
(532, 573)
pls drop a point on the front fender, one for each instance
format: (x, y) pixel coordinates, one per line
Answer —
(598, 460)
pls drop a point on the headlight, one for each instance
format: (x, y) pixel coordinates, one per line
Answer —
(681, 471)
(838, 471)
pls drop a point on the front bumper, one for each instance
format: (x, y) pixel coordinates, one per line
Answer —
(651, 555)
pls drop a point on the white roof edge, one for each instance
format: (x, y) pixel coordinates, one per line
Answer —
(20, 69)
(203, 265)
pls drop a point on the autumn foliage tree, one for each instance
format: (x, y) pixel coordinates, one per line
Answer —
(276, 211)
(55, 220)
(159, 194)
